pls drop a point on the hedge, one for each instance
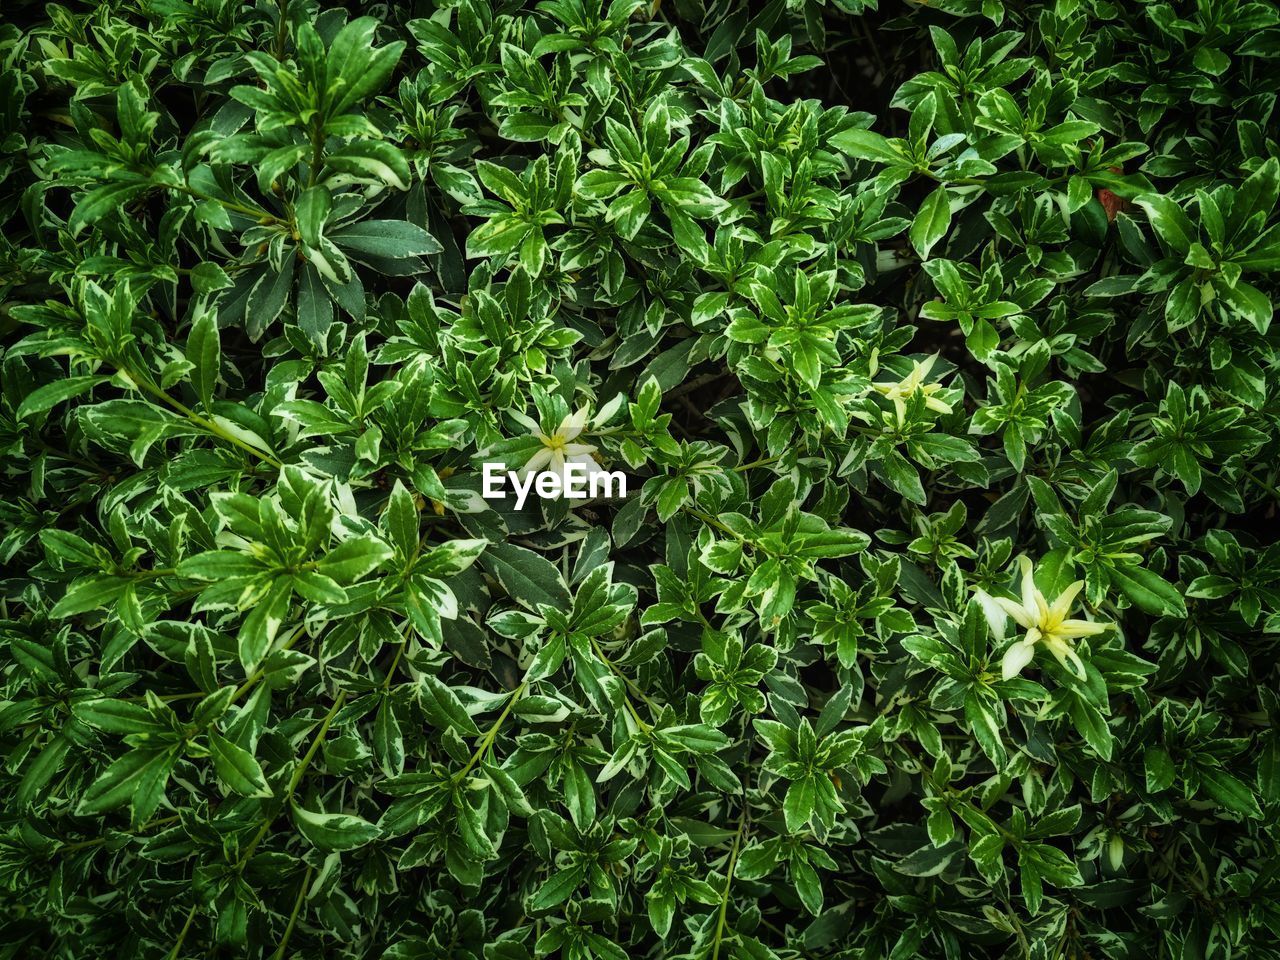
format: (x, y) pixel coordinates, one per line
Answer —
(931, 341)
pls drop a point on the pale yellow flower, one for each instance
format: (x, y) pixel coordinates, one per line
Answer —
(912, 384)
(1046, 623)
(562, 446)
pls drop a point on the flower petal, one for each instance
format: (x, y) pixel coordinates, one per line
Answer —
(1015, 658)
(1062, 603)
(995, 614)
(1066, 656)
(1042, 608)
(573, 424)
(538, 460)
(1029, 591)
(1080, 628)
(1023, 617)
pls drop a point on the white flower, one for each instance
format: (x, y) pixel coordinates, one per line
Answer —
(562, 447)
(1045, 623)
(912, 384)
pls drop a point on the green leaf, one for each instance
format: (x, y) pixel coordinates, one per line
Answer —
(1092, 726)
(353, 559)
(138, 778)
(334, 832)
(263, 623)
(556, 889)
(221, 565)
(1170, 222)
(355, 67)
(696, 737)
(1149, 591)
(1160, 771)
(50, 395)
(374, 162)
(237, 767)
(451, 557)
(443, 707)
(204, 353)
(798, 805)
(118, 717)
(929, 861)
(392, 239)
(97, 203)
(312, 211)
(931, 222)
(527, 578)
(898, 473)
(1231, 792)
(72, 549)
(315, 309)
(986, 729)
(866, 145)
(90, 593)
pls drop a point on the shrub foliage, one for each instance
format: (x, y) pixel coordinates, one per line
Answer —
(940, 616)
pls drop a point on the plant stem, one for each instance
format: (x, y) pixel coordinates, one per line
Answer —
(177, 947)
(85, 844)
(266, 824)
(391, 670)
(728, 881)
(712, 521)
(1264, 485)
(295, 779)
(317, 154)
(214, 428)
(261, 671)
(153, 574)
(631, 684)
(756, 463)
(487, 742)
(293, 917)
(257, 215)
(70, 457)
(282, 28)
(640, 722)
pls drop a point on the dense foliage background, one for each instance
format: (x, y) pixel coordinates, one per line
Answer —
(940, 621)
